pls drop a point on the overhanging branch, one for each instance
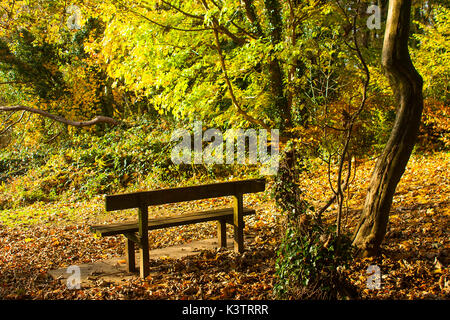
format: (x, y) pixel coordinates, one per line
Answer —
(74, 123)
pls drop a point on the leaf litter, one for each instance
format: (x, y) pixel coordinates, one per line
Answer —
(413, 264)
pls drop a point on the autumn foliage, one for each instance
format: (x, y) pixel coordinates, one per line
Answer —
(308, 68)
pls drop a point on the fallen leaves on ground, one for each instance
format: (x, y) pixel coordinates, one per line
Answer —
(414, 263)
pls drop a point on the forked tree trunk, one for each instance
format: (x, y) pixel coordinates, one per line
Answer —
(407, 87)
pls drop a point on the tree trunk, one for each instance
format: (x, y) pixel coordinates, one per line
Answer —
(407, 87)
(276, 76)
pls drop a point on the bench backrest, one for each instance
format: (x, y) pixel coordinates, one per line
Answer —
(173, 195)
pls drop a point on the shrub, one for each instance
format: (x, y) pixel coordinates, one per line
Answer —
(309, 260)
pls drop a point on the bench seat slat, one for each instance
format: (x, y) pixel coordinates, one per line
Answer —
(166, 222)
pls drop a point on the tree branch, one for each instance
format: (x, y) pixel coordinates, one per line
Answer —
(168, 27)
(348, 126)
(242, 30)
(252, 16)
(79, 124)
(230, 87)
(226, 31)
(12, 124)
(184, 12)
(222, 29)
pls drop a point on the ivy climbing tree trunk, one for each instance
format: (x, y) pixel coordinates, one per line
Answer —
(407, 87)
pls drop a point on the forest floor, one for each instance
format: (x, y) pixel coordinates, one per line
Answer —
(414, 260)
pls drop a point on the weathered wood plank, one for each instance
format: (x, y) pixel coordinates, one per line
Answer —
(166, 222)
(174, 195)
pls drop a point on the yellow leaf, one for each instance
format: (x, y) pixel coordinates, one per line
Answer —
(406, 245)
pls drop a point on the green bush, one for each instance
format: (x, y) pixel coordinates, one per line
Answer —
(85, 164)
(17, 162)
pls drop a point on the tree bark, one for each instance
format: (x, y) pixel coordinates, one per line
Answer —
(390, 166)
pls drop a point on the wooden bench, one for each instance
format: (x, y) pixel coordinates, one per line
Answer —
(136, 233)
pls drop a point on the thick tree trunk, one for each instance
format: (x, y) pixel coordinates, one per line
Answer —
(407, 87)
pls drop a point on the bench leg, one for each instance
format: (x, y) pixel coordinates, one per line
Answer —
(144, 263)
(131, 259)
(238, 223)
(238, 239)
(222, 233)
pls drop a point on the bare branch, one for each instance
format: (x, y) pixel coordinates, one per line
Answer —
(339, 193)
(96, 120)
(183, 12)
(167, 27)
(54, 137)
(344, 187)
(12, 124)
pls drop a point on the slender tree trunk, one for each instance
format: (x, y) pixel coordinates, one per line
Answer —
(276, 76)
(407, 87)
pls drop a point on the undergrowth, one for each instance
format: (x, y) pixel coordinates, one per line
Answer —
(86, 165)
(310, 261)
